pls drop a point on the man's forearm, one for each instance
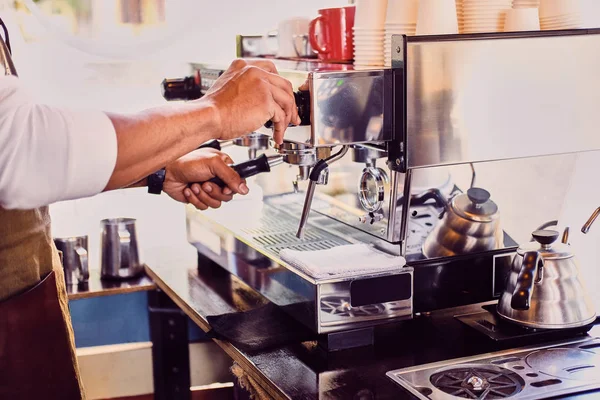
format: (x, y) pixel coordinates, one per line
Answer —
(149, 140)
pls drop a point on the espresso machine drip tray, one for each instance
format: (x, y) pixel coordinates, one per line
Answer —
(557, 369)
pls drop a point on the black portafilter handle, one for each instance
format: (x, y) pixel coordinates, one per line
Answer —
(212, 144)
(246, 169)
(187, 88)
(302, 98)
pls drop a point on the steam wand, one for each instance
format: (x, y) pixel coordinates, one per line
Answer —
(318, 175)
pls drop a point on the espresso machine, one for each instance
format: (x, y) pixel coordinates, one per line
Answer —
(449, 160)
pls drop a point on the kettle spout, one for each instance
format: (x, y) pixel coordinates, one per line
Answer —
(590, 221)
(565, 236)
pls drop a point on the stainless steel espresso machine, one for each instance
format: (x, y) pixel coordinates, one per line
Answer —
(450, 159)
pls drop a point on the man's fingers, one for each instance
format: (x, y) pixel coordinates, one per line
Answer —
(264, 64)
(279, 81)
(304, 86)
(280, 122)
(206, 199)
(286, 102)
(283, 93)
(226, 159)
(193, 200)
(230, 177)
(216, 192)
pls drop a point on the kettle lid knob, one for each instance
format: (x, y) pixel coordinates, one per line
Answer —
(546, 236)
(478, 195)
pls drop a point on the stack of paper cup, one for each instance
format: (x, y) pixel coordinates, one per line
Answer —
(369, 32)
(522, 19)
(401, 19)
(437, 17)
(482, 16)
(560, 14)
(526, 3)
(460, 15)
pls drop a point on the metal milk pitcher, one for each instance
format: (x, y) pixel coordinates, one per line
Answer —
(119, 246)
(74, 258)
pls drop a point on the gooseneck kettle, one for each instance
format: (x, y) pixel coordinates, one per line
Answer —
(544, 288)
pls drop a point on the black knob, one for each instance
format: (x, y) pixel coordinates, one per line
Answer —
(545, 236)
(302, 98)
(187, 88)
(478, 195)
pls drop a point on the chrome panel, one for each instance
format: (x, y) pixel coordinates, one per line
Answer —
(348, 106)
(578, 370)
(500, 97)
(335, 309)
(246, 239)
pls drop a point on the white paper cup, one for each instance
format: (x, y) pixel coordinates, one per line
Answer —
(437, 17)
(402, 11)
(549, 8)
(522, 19)
(370, 13)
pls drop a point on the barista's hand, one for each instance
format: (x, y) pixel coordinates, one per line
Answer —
(200, 166)
(249, 94)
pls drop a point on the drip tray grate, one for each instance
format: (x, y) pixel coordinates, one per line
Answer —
(277, 231)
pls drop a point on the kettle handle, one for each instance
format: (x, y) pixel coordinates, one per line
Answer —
(421, 198)
(531, 273)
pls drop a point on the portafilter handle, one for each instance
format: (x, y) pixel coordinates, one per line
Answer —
(250, 168)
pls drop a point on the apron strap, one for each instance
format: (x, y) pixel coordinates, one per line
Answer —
(6, 36)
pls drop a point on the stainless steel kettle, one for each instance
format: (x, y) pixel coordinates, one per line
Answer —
(544, 289)
(470, 223)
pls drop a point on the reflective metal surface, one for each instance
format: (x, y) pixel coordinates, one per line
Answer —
(119, 249)
(348, 106)
(557, 297)
(301, 155)
(254, 142)
(368, 155)
(468, 225)
(499, 96)
(539, 372)
(323, 169)
(372, 187)
(324, 305)
(74, 259)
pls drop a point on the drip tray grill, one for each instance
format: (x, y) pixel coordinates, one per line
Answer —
(277, 231)
(529, 373)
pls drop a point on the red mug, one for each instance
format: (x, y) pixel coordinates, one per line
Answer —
(333, 40)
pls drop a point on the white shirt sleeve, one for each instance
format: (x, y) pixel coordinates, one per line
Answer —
(48, 154)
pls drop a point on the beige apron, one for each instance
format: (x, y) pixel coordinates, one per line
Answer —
(37, 348)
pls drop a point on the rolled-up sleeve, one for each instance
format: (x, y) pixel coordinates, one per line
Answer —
(49, 154)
